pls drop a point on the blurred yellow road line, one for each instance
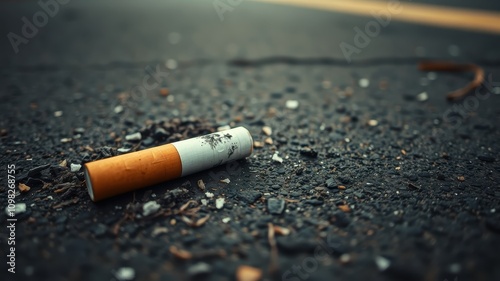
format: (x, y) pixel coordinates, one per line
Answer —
(442, 16)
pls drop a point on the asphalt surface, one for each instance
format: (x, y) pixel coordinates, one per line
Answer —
(379, 181)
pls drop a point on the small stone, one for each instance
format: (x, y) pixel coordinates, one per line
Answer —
(309, 152)
(134, 137)
(258, 144)
(150, 207)
(23, 188)
(219, 203)
(277, 158)
(344, 208)
(226, 181)
(58, 113)
(66, 140)
(248, 273)
(486, 158)
(159, 230)
(364, 83)
(422, 96)
(340, 219)
(275, 206)
(382, 263)
(201, 185)
(341, 187)
(209, 194)
(461, 178)
(267, 130)
(292, 104)
(18, 209)
(160, 134)
(223, 128)
(268, 141)
(123, 150)
(226, 220)
(372, 123)
(171, 64)
(79, 130)
(331, 183)
(75, 167)
(164, 92)
(118, 109)
(198, 269)
(345, 258)
(204, 202)
(125, 273)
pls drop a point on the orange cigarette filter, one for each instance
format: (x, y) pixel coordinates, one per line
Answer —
(128, 172)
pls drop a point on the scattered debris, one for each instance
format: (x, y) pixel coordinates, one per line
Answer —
(23, 188)
(226, 220)
(58, 113)
(18, 209)
(150, 207)
(63, 163)
(292, 104)
(461, 178)
(267, 130)
(382, 263)
(196, 223)
(204, 202)
(209, 194)
(225, 181)
(219, 203)
(201, 185)
(248, 273)
(125, 274)
(134, 137)
(269, 141)
(75, 167)
(277, 158)
(341, 187)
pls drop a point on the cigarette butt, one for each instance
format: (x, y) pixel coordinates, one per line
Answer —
(120, 174)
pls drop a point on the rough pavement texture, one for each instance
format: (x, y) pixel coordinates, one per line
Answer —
(377, 182)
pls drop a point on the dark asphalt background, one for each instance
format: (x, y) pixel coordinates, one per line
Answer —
(422, 187)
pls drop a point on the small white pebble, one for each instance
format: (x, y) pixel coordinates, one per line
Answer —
(422, 96)
(75, 167)
(373, 122)
(345, 258)
(133, 137)
(292, 104)
(204, 202)
(66, 140)
(226, 181)
(209, 194)
(223, 128)
(267, 130)
(382, 263)
(171, 64)
(364, 83)
(58, 113)
(226, 220)
(118, 109)
(150, 207)
(277, 158)
(125, 273)
(219, 203)
(123, 150)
